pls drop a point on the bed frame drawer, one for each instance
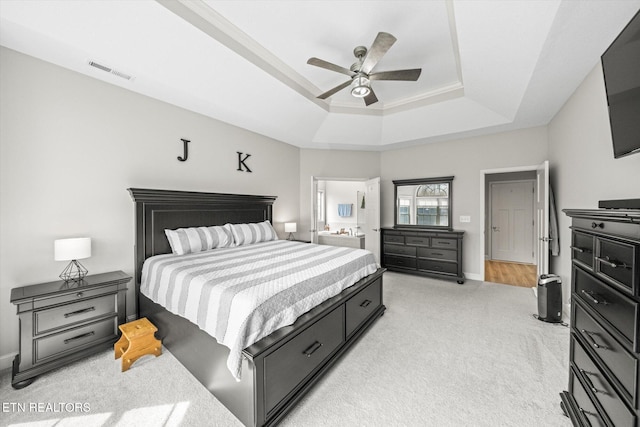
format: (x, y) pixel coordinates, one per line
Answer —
(360, 306)
(287, 367)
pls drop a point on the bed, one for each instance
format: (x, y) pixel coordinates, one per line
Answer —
(278, 369)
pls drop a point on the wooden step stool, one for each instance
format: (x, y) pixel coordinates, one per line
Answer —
(137, 340)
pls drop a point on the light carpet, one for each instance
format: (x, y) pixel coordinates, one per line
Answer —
(442, 355)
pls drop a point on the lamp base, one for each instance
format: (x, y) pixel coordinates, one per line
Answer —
(74, 272)
(291, 237)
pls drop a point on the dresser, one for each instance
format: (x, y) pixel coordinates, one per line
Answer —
(604, 373)
(61, 322)
(434, 253)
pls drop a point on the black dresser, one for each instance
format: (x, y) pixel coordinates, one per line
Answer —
(605, 312)
(435, 253)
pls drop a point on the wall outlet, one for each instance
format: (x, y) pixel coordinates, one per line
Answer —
(465, 218)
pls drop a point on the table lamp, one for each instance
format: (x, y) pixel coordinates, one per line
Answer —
(290, 227)
(72, 250)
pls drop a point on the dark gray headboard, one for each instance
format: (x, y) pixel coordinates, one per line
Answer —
(157, 210)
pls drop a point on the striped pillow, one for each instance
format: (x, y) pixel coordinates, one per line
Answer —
(196, 239)
(246, 234)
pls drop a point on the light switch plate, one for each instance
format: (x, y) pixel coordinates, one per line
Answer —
(465, 218)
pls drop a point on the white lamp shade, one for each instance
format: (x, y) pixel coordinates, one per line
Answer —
(289, 227)
(70, 249)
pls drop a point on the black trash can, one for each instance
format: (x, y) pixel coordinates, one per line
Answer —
(550, 298)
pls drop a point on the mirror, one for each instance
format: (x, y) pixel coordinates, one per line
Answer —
(423, 203)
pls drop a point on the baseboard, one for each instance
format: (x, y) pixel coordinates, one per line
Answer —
(6, 361)
(472, 276)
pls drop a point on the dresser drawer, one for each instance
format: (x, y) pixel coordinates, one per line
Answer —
(55, 345)
(288, 366)
(611, 354)
(440, 242)
(585, 406)
(400, 250)
(437, 254)
(417, 240)
(396, 261)
(602, 390)
(622, 229)
(361, 305)
(582, 248)
(393, 238)
(438, 266)
(621, 312)
(616, 261)
(61, 316)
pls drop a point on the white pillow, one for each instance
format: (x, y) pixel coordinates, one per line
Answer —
(246, 234)
(196, 239)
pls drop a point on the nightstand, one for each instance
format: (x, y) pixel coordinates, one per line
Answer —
(61, 322)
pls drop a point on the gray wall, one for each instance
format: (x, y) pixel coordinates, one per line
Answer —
(583, 170)
(464, 159)
(71, 145)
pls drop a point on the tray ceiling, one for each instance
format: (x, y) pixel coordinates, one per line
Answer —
(487, 66)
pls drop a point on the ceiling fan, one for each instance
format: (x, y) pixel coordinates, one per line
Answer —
(360, 71)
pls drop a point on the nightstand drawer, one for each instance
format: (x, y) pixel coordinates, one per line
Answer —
(57, 344)
(54, 318)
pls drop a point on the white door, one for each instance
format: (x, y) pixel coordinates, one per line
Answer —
(372, 217)
(314, 211)
(542, 218)
(512, 225)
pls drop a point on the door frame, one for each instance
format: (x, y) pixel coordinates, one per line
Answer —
(483, 230)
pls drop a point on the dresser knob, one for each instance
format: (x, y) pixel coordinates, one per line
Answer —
(597, 225)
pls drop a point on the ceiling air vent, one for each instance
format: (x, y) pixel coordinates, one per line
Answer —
(110, 70)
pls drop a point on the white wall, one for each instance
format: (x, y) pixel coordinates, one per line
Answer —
(70, 146)
(583, 170)
(464, 159)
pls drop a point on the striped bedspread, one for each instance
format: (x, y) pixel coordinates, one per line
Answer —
(242, 294)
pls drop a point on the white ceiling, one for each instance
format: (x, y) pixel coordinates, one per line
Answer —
(487, 66)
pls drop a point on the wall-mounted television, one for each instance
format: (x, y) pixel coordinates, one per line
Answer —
(621, 66)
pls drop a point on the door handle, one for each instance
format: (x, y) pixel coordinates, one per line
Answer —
(496, 228)
(374, 229)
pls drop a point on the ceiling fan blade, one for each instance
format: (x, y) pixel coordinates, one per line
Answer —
(329, 66)
(408, 75)
(334, 90)
(371, 98)
(380, 46)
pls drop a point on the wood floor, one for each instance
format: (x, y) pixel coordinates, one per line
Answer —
(510, 273)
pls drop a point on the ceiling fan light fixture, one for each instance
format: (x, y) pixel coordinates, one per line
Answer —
(360, 87)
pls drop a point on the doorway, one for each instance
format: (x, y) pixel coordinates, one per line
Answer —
(511, 225)
(362, 220)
